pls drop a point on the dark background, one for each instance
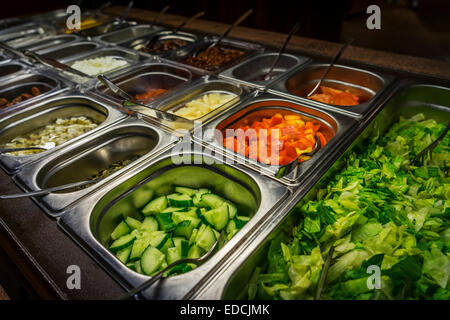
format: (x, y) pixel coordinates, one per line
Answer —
(414, 27)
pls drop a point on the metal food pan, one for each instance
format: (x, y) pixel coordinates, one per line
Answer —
(127, 139)
(250, 50)
(252, 71)
(141, 78)
(199, 88)
(22, 82)
(231, 283)
(127, 34)
(93, 219)
(10, 68)
(334, 126)
(45, 112)
(366, 84)
(24, 33)
(71, 50)
(139, 43)
(109, 26)
(50, 42)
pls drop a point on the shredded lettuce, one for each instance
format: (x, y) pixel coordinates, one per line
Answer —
(379, 210)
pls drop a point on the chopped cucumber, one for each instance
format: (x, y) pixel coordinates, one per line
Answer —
(139, 247)
(169, 244)
(192, 237)
(149, 224)
(206, 239)
(132, 265)
(232, 210)
(184, 248)
(133, 223)
(137, 266)
(124, 254)
(158, 239)
(241, 221)
(174, 209)
(121, 230)
(212, 200)
(122, 242)
(155, 206)
(173, 254)
(218, 217)
(183, 190)
(165, 221)
(194, 252)
(180, 200)
(151, 260)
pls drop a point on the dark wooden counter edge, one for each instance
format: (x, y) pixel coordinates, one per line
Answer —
(319, 48)
(42, 252)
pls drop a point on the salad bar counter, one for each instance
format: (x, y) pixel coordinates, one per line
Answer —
(157, 151)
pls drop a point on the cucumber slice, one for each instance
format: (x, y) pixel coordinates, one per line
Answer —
(231, 227)
(124, 254)
(183, 190)
(149, 224)
(158, 239)
(139, 247)
(173, 254)
(155, 206)
(165, 221)
(193, 236)
(206, 239)
(133, 223)
(241, 221)
(121, 230)
(180, 200)
(218, 217)
(137, 267)
(197, 199)
(169, 244)
(184, 229)
(177, 241)
(174, 209)
(194, 252)
(184, 248)
(122, 242)
(212, 200)
(232, 210)
(151, 260)
(132, 265)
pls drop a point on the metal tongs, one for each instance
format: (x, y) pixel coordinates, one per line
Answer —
(198, 261)
(121, 20)
(53, 63)
(428, 151)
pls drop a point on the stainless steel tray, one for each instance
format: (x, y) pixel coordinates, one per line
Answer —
(129, 56)
(230, 282)
(44, 112)
(335, 124)
(22, 82)
(195, 90)
(258, 66)
(10, 68)
(99, 30)
(127, 34)
(49, 42)
(78, 162)
(92, 220)
(138, 79)
(368, 84)
(137, 44)
(250, 49)
(72, 50)
(25, 33)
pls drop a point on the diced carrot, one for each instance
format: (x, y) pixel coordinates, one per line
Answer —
(323, 140)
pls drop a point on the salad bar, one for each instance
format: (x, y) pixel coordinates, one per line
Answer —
(282, 194)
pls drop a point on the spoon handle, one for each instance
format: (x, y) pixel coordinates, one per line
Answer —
(336, 57)
(291, 33)
(159, 15)
(7, 150)
(113, 87)
(198, 15)
(238, 21)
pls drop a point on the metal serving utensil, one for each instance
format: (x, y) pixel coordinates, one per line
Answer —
(324, 274)
(280, 52)
(428, 151)
(333, 62)
(114, 88)
(16, 52)
(159, 15)
(45, 147)
(144, 43)
(48, 190)
(53, 63)
(121, 20)
(158, 276)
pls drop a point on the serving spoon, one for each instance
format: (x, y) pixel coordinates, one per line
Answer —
(335, 59)
(158, 276)
(45, 147)
(114, 88)
(281, 51)
(159, 15)
(121, 20)
(46, 191)
(140, 43)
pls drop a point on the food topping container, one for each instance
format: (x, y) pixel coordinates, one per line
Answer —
(127, 34)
